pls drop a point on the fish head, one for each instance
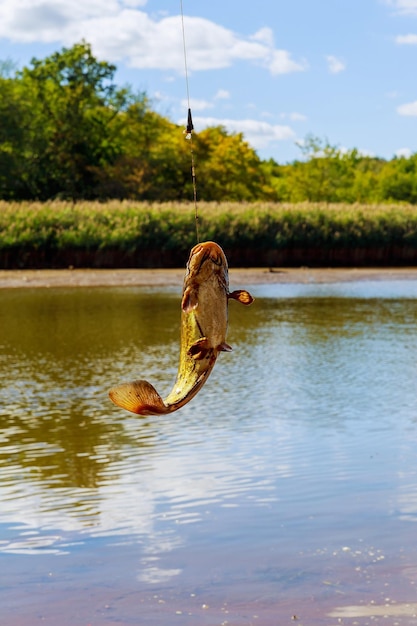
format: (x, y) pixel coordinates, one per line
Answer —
(206, 259)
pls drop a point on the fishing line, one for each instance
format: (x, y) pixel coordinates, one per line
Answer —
(189, 129)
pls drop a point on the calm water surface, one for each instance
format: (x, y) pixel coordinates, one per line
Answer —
(287, 487)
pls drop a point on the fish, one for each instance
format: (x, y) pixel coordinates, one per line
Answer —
(204, 321)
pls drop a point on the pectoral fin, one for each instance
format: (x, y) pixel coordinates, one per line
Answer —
(224, 347)
(139, 397)
(199, 349)
(189, 299)
(242, 296)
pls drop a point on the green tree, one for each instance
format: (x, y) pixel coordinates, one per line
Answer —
(398, 180)
(365, 187)
(154, 159)
(326, 174)
(73, 104)
(12, 139)
(228, 168)
(276, 176)
(67, 130)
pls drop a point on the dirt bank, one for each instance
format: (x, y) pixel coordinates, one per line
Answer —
(174, 277)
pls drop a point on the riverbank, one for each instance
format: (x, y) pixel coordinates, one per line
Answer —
(141, 235)
(174, 277)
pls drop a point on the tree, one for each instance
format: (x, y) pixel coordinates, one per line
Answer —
(73, 104)
(154, 160)
(228, 168)
(365, 186)
(398, 180)
(326, 173)
(68, 131)
(12, 139)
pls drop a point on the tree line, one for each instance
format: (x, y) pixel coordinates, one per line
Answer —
(67, 131)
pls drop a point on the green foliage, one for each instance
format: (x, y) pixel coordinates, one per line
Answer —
(328, 174)
(62, 111)
(228, 168)
(398, 181)
(170, 226)
(75, 103)
(68, 132)
(12, 137)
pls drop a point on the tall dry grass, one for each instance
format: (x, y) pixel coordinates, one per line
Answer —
(168, 226)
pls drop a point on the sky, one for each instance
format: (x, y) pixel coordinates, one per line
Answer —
(342, 70)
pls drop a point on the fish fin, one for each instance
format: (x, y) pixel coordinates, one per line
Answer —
(189, 300)
(242, 296)
(199, 349)
(139, 397)
(224, 347)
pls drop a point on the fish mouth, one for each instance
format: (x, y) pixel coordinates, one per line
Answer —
(207, 250)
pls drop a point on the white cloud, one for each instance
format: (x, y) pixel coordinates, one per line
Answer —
(117, 30)
(298, 117)
(294, 116)
(404, 6)
(403, 152)
(264, 35)
(222, 94)
(406, 39)
(364, 152)
(197, 105)
(392, 94)
(277, 61)
(259, 134)
(335, 65)
(280, 62)
(134, 3)
(409, 109)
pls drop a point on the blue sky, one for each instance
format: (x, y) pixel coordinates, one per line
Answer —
(343, 70)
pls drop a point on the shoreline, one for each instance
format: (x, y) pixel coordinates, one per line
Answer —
(16, 279)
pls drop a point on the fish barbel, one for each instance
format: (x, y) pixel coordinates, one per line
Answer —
(204, 317)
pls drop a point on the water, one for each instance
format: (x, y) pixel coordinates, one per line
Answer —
(287, 487)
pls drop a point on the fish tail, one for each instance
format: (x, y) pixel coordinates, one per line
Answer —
(138, 397)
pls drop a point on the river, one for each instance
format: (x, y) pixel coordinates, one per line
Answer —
(286, 491)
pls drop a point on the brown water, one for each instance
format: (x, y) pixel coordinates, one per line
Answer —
(287, 487)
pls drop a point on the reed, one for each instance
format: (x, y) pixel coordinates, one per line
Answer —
(131, 226)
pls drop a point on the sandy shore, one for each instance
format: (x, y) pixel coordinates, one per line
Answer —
(174, 277)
